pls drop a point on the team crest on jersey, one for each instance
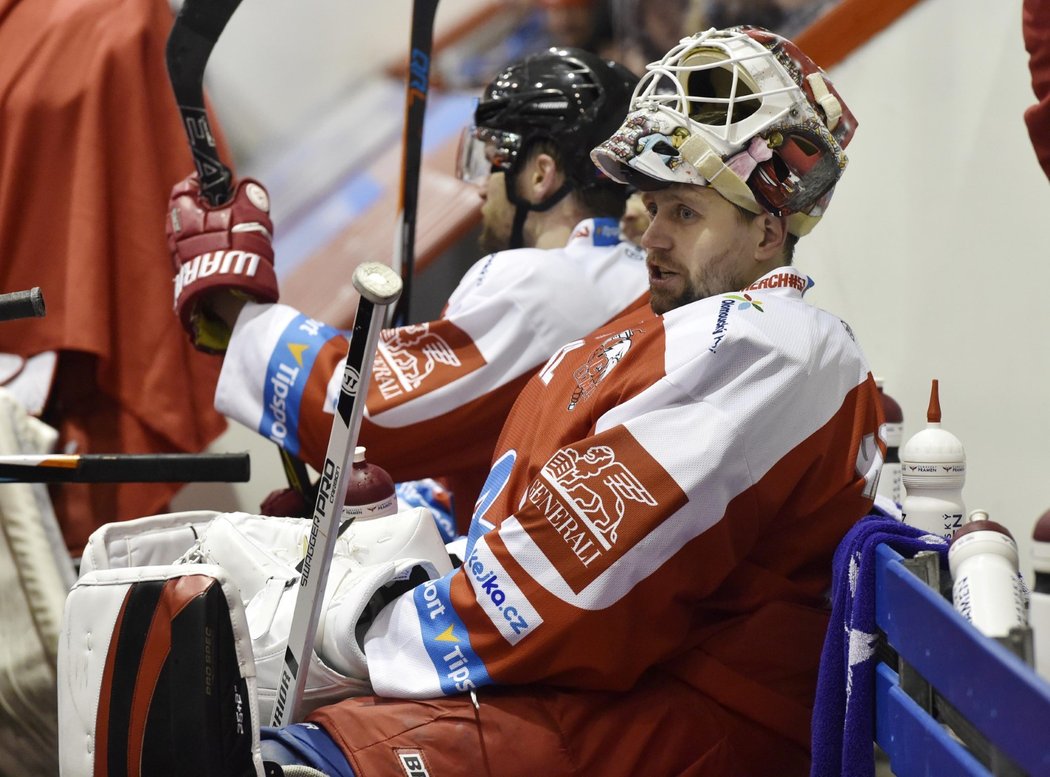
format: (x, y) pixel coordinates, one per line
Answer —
(414, 360)
(599, 364)
(597, 503)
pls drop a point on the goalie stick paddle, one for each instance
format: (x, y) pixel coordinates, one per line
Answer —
(193, 36)
(126, 468)
(379, 286)
(416, 88)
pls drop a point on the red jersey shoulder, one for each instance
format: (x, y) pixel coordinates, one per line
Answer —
(580, 368)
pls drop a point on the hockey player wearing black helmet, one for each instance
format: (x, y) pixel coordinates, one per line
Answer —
(536, 123)
(529, 145)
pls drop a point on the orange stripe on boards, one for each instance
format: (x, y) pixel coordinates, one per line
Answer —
(847, 26)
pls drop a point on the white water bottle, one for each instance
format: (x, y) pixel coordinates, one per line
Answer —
(1039, 604)
(933, 471)
(370, 492)
(892, 432)
(986, 587)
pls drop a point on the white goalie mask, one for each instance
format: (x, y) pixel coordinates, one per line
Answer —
(744, 111)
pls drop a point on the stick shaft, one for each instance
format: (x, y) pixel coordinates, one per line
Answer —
(193, 36)
(127, 468)
(331, 492)
(416, 89)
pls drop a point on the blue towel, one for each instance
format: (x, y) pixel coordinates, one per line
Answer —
(434, 496)
(844, 708)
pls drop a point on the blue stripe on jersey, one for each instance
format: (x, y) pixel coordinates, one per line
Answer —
(494, 484)
(606, 232)
(446, 640)
(286, 375)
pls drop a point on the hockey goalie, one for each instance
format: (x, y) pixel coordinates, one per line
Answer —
(643, 586)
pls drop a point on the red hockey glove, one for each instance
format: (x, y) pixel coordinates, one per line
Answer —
(219, 249)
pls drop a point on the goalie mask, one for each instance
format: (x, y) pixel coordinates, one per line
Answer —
(568, 97)
(744, 111)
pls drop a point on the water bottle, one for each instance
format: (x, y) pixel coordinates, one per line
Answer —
(891, 432)
(370, 492)
(986, 587)
(1039, 603)
(933, 471)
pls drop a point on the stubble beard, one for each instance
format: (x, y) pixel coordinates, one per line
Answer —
(719, 279)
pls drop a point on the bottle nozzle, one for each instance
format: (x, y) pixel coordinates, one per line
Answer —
(933, 414)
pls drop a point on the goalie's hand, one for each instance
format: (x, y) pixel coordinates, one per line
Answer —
(221, 251)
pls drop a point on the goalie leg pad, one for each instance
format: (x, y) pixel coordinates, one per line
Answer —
(142, 542)
(156, 677)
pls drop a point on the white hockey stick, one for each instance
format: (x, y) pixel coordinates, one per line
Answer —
(379, 286)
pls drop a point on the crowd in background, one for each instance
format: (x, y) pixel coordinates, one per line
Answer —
(633, 32)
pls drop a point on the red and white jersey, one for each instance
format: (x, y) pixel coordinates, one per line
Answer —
(440, 391)
(668, 492)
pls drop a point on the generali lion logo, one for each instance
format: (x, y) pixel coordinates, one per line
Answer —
(598, 486)
(595, 503)
(414, 360)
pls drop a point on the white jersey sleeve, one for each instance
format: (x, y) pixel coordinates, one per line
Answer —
(440, 390)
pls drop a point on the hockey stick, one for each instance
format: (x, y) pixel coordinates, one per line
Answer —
(22, 304)
(379, 286)
(417, 85)
(126, 468)
(193, 35)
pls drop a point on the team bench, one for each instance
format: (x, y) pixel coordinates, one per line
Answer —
(950, 701)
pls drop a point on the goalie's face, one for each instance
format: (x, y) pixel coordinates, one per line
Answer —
(699, 245)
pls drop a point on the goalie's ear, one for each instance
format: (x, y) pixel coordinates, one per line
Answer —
(155, 667)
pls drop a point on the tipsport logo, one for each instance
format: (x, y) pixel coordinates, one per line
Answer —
(290, 364)
(458, 667)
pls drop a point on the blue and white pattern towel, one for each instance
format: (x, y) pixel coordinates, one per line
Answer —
(844, 709)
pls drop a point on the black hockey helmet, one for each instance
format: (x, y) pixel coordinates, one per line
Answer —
(568, 96)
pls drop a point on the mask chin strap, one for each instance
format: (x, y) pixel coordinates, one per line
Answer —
(523, 207)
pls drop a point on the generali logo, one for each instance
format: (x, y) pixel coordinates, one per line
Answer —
(597, 504)
(415, 360)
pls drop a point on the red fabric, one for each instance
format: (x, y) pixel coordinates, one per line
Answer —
(1035, 21)
(91, 145)
(524, 732)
